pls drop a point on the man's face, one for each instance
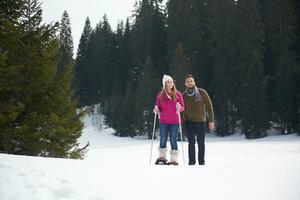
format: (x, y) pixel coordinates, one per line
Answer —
(189, 83)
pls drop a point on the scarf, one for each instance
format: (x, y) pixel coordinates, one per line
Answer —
(195, 93)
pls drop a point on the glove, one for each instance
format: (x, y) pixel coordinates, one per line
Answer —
(178, 107)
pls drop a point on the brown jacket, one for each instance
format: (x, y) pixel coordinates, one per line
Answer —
(196, 111)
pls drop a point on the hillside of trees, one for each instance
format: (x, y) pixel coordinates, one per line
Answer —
(246, 54)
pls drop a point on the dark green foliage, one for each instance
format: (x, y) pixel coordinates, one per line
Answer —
(223, 32)
(145, 97)
(65, 44)
(251, 92)
(38, 116)
(280, 63)
(123, 69)
(244, 53)
(180, 66)
(81, 73)
(297, 67)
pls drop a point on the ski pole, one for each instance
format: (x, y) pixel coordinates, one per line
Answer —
(153, 136)
(180, 131)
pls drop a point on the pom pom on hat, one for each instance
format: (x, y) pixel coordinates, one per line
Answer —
(166, 78)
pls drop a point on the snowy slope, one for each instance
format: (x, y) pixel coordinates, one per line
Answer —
(118, 168)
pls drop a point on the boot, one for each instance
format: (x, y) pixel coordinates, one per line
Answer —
(174, 157)
(161, 160)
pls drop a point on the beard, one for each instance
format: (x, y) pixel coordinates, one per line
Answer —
(191, 87)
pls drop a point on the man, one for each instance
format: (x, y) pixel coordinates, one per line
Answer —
(196, 102)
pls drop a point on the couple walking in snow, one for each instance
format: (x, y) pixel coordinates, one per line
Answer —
(193, 102)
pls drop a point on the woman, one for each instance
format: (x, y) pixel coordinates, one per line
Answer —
(169, 104)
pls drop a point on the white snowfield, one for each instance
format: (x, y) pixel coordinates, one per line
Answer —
(118, 168)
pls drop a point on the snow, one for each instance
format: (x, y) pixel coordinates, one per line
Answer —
(118, 168)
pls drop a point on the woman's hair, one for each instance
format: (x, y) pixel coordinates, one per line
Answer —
(163, 94)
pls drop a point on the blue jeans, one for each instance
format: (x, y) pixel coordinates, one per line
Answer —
(164, 130)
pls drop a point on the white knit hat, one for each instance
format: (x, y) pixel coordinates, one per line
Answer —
(166, 78)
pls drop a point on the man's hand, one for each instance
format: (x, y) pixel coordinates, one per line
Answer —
(211, 125)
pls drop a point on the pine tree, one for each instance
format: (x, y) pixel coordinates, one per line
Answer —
(90, 62)
(281, 63)
(198, 42)
(43, 121)
(65, 43)
(102, 69)
(180, 66)
(10, 11)
(127, 55)
(223, 50)
(145, 99)
(117, 63)
(97, 66)
(141, 31)
(297, 44)
(178, 22)
(141, 39)
(10, 81)
(81, 72)
(250, 95)
(297, 67)
(148, 38)
(297, 97)
(159, 48)
(120, 103)
(188, 24)
(281, 50)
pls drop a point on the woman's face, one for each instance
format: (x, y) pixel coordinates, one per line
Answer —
(169, 84)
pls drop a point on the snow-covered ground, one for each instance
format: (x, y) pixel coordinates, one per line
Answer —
(118, 168)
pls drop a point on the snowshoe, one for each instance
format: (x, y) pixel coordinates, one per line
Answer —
(173, 163)
(161, 161)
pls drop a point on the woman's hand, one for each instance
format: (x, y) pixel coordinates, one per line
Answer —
(178, 107)
(156, 110)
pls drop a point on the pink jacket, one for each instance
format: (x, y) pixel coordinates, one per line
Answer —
(167, 109)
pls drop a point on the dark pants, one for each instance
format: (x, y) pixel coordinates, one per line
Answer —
(196, 130)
